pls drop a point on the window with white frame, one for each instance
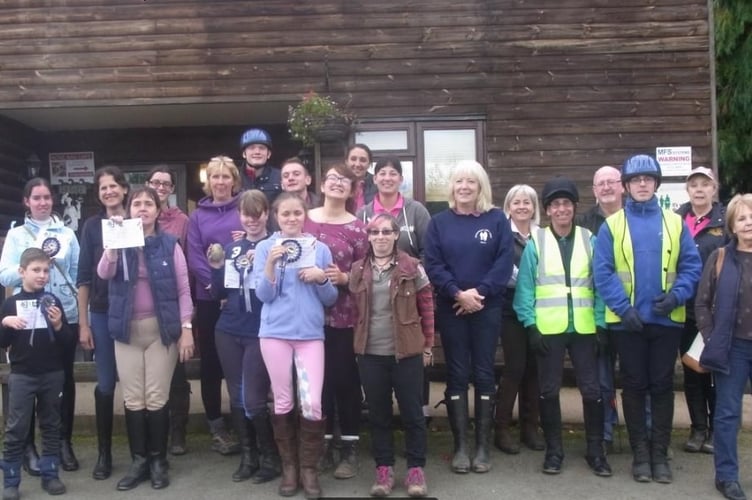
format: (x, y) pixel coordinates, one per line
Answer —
(428, 150)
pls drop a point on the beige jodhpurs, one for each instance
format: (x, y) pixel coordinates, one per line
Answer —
(145, 366)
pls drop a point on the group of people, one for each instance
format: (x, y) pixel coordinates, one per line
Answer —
(322, 297)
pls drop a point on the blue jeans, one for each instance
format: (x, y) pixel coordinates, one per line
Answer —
(729, 390)
(104, 353)
(469, 343)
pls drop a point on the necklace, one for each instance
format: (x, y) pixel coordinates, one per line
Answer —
(382, 264)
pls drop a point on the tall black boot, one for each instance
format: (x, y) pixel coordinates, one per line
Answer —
(458, 414)
(103, 410)
(249, 460)
(698, 411)
(68, 460)
(159, 429)
(484, 410)
(269, 461)
(136, 427)
(180, 405)
(550, 416)
(662, 414)
(634, 417)
(593, 416)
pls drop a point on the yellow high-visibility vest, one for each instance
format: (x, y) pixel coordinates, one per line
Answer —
(624, 258)
(552, 295)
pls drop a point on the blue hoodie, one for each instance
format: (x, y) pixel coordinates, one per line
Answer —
(61, 285)
(298, 312)
(646, 226)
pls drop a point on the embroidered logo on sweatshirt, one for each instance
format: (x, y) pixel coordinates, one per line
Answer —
(483, 236)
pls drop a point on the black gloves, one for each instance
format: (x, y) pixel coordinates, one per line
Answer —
(601, 341)
(537, 342)
(664, 304)
(631, 320)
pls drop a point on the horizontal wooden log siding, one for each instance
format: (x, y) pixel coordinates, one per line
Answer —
(16, 143)
(565, 86)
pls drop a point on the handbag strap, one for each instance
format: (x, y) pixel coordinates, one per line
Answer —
(719, 261)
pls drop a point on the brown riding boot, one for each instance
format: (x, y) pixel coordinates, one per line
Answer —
(285, 436)
(311, 450)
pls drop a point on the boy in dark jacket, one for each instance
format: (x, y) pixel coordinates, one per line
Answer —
(34, 329)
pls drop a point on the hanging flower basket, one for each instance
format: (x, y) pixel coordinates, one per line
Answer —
(332, 129)
(318, 119)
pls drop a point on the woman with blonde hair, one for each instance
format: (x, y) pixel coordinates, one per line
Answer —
(213, 221)
(520, 368)
(469, 256)
(725, 322)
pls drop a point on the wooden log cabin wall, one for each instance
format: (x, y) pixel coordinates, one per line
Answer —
(560, 87)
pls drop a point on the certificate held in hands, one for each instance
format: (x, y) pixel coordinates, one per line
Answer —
(126, 234)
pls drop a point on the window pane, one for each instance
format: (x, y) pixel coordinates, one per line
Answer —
(407, 179)
(442, 150)
(383, 140)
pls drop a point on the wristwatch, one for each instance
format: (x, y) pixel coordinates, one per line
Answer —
(187, 325)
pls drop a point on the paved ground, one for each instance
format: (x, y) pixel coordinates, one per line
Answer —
(202, 474)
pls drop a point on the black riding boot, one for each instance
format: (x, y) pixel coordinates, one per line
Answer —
(662, 414)
(484, 410)
(634, 417)
(550, 416)
(136, 427)
(698, 412)
(103, 410)
(249, 460)
(159, 429)
(458, 414)
(68, 460)
(596, 459)
(180, 405)
(269, 461)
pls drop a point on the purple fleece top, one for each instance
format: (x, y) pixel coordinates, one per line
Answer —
(209, 223)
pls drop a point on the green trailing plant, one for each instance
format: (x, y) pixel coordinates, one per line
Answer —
(312, 114)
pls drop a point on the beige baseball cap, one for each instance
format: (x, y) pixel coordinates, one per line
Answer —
(707, 172)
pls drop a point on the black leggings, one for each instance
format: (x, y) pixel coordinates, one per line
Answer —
(207, 314)
(341, 382)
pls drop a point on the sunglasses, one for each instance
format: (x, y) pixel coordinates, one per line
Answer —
(385, 232)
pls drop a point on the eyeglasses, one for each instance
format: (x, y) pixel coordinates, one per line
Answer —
(385, 232)
(337, 179)
(163, 184)
(647, 179)
(609, 183)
